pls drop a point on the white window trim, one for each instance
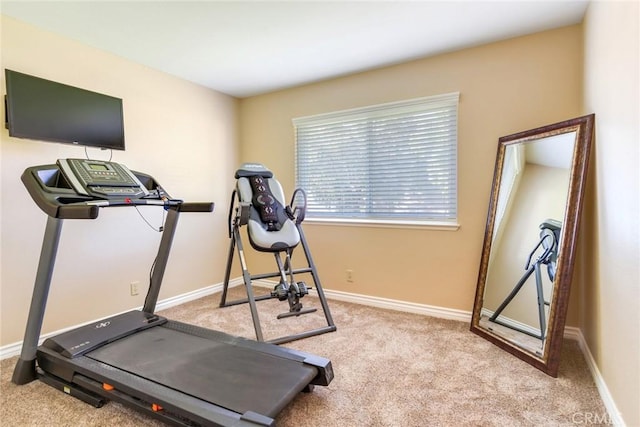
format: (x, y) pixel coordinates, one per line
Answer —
(378, 223)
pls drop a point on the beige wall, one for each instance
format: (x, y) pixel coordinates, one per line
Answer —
(504, 87)
(182, 134)
(609, 258)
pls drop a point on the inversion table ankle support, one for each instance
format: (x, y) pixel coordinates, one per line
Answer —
(258, 202)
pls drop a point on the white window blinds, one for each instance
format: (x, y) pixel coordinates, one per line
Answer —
(390, 162)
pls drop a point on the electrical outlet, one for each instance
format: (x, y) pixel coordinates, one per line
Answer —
(349, 276)
(134, 288)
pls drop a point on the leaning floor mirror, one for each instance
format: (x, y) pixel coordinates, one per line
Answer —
(530, 240)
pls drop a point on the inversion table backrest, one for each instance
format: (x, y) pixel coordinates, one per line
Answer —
(270, 228)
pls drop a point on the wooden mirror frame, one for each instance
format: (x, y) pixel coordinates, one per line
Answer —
(549, 361)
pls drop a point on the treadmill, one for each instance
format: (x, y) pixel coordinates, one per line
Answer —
(181, 374)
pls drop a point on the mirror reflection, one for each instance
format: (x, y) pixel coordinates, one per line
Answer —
(530, 208)
(530, 240)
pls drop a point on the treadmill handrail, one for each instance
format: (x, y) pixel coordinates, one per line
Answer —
(59, 201)
(52, 204)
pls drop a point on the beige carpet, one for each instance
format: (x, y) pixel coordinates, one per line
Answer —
(391, 369)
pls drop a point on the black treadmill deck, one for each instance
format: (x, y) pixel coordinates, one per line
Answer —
(228, 375)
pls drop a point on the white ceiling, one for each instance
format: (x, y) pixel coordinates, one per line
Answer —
(553, 151)
(245, 48)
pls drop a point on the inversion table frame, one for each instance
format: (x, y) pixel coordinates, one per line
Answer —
(240, 218)
(548, 256)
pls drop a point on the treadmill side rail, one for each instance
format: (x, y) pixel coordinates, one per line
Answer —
(254, 418)
(325, 370)
(79, 341)
(78, 392)
(212, 417)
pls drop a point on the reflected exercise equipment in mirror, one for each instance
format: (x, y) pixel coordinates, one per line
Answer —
(530, 240)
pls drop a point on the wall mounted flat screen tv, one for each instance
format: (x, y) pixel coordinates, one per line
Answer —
(44, 110)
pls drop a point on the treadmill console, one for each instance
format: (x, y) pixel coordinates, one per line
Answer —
(102, 179)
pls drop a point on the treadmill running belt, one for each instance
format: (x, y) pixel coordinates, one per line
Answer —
(234, 377)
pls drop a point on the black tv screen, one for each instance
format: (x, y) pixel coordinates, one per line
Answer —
(44, 110)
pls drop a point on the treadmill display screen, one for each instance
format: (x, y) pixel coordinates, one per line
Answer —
(98, 167)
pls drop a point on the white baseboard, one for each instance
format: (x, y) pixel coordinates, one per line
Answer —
(11, 350)
(513, 324)
(614, 416)
(408, 307)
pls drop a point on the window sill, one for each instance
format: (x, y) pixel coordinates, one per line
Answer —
(422, 225)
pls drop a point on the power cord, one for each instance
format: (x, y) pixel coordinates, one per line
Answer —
(158, 229)
(86, 153)
(153, 266)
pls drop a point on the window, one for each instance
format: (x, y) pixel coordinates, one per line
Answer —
(390, 163)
